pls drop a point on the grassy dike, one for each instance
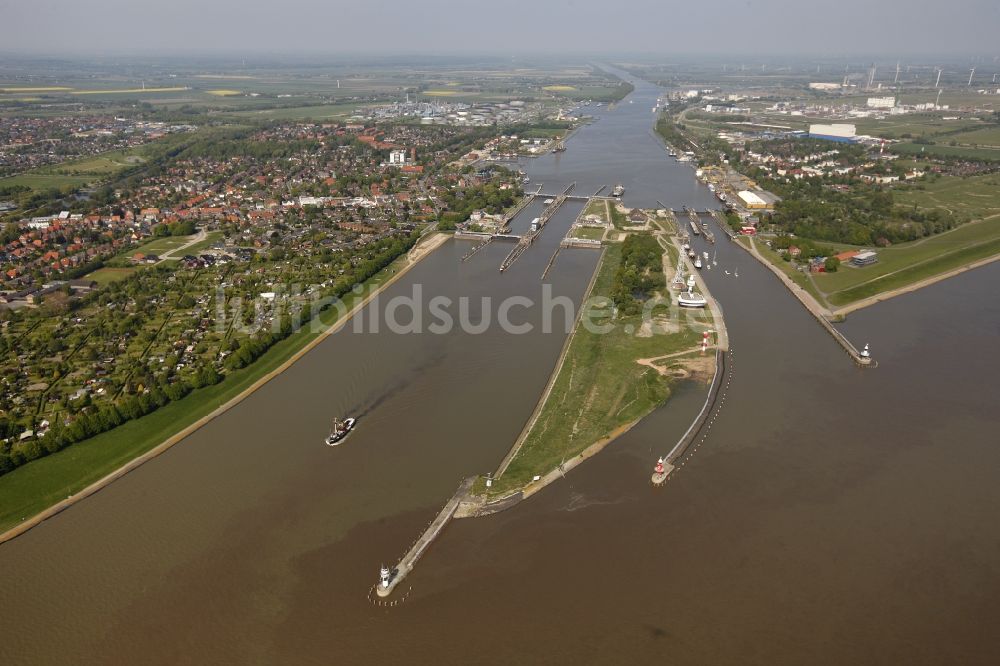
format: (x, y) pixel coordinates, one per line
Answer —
(599, 386)
(900, 269)
(33, 488)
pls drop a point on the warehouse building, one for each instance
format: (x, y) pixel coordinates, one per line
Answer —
(751, 200)
(840, 132)
(881, 102)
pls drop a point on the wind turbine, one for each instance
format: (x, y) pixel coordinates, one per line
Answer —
(972, 73)
(937, 83)
(896, 80)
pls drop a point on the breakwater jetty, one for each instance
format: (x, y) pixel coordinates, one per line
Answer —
(390, 578)
(720, 382)
(862, 358)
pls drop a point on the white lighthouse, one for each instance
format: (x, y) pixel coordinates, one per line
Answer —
(383, 575)
(865, 353)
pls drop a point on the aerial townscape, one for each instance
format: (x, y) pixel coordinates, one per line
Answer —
(519, 335)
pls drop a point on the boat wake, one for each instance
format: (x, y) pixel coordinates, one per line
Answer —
(580, 501)
(365, 408)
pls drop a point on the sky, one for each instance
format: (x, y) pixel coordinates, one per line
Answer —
(453, 27)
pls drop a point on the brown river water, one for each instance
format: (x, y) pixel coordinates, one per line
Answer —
(833, 515)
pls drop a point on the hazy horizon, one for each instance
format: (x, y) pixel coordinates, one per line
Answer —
(394, 28)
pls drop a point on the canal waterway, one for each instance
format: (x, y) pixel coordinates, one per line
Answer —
(833, 515)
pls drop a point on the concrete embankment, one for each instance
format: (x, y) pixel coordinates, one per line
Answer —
(425, 246)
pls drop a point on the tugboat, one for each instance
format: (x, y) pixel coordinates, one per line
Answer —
(618, 191)
(340, 431)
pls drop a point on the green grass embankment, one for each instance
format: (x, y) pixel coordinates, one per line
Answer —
(599, 386)
(927, 269)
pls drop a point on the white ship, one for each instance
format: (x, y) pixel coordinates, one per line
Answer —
(691, 298)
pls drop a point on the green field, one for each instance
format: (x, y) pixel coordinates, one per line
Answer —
(97, 165)
(599, 387)
(106, 275)
(939, 263)
(159, 246)
(985, 136)
(210, 239)
(938, 150)
(39, 484)
(904, 264)
(77, 173)
(592, 233)
(898, 265)
(311, 112)
(976, 196)
(39, 181)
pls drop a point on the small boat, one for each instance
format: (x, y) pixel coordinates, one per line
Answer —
(697, 262)
(340, 430)
(618, 191)
(691, 254)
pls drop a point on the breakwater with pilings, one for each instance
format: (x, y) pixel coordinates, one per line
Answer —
(434, 528)
(720, 382)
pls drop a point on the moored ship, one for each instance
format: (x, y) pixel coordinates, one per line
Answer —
(691, 298)
(618, 191)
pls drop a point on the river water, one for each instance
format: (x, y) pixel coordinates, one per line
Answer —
(833, 514)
